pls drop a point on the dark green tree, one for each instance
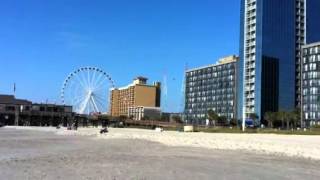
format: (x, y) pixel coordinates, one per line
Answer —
(177, 119)
(233, 122)
(270, 117)
(212, 116)
(281, 115)
(222, 120)
(295, 117)
(165, 117)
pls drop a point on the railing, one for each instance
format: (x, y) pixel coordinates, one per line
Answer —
(152, 123)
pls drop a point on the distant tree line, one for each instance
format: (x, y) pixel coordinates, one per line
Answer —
(216, 120)
(283, 119)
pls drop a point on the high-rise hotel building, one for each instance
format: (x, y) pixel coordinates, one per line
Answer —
(272, 33)
(137, 94)
(311, 84)
(307, 31)
(212, 87)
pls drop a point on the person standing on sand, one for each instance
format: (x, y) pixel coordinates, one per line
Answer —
(76, 124)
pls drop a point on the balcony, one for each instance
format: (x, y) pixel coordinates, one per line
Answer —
(251, 103)
(250, 73)
(251, 88)
(250, 96)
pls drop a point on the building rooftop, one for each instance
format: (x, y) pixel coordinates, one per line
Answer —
(221, 61)
(228, 59)
(311, 45)
(140, 80)
(50, 105)
(10, 99)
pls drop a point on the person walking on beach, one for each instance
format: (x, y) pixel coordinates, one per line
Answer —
(76, 124)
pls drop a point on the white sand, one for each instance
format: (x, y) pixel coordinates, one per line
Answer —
(288, 145)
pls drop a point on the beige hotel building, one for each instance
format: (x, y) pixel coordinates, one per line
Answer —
(137, 94)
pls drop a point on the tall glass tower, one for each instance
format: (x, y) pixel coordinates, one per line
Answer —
(307, 32)
(272, 33)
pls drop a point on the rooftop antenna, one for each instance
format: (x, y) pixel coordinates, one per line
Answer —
(164, 92)
(183, 88)
(183, 94)
(14, 89)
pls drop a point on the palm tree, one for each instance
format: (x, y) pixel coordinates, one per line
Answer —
(222, 120)
(281, 115)
(269, 117)
(287, 118)
(290, 117)
(295, 116)
(212, 116)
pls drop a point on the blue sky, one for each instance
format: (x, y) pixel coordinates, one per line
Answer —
(41, 42)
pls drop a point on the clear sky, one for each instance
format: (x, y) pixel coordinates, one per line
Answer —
(41, 42)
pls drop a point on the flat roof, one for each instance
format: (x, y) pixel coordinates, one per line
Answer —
(311, 45)
(132, 85)
(208, 66)
(145, 107)
(10, 99)
(50, 105)
(221, 61)
(141, 78)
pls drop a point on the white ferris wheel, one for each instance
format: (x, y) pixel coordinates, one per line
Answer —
(87, 90)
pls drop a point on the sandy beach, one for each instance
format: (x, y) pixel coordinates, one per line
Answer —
(280, 145)
(42, 154)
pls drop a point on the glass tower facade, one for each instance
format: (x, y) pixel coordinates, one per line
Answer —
(267, 57)
(311, 84)
(307, 31)
(272, 34)
(312, 21)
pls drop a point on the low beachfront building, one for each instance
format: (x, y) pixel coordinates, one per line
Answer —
(23, 112)
(144, 113)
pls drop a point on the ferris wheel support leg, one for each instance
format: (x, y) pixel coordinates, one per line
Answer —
(84, 104)
(94, 104)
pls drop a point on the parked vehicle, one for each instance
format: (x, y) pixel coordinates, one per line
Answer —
(250, 123)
